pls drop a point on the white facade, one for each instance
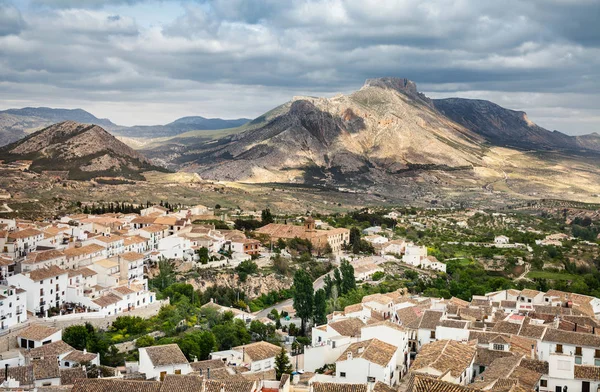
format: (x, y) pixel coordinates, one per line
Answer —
(414, 254)
(42, 293)
(13, 306)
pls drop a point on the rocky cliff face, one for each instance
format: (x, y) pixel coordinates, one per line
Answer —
(85, 151)
(385, 128)
(504, 127)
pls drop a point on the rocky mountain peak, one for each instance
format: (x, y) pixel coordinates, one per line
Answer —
(399, 84)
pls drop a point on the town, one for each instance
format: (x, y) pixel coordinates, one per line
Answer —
(162, 297)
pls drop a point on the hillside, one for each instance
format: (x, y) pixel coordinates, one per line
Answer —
(504, 127)
(18, 123)
(388, 138)
(385, 128)
(84, 151)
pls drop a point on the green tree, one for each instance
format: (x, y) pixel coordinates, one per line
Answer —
(245, 268)
(303, 296)
(266, 217)
(348, 279)
(77, 336)
(165, 276)
(282, 364)
(197, 345)
(320, 308)
(203, 255)
(145, 341)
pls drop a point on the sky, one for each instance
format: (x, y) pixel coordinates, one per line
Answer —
(150, 62)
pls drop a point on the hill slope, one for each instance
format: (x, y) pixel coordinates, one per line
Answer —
(385, 128)
(18, 123)
(85, 151)
(504, 127)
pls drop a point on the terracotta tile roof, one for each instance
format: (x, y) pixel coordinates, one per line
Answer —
(259, 350)
(586, 372)
(483, 337)
(335, 387)
(132, 256)
(372, 350)
(228, 386)
(528, 293)
(459, 302)
(485, 356)
(222, 373)
(424, 383)
(40, 257)
(508, 368)
(535, 365)
(382, 387)
(256, 376)
(68, 376)
(167, 354)
(182, 383)
(115, 385)
(406, 316)
(83, 250)
(135, 239)
(25, 233)
(460, 324)
(37, 332)
(23, 374)
(532, 331)
(106, 300)
(508, 304)
(50, 350)
(80, 356)
(347, 327)
(445, 355)
(46, 368)
(124, 290)
(46, 273)
(522, 346)
(574, 338)
(386, 323)
(506, 327)
(353, 308)
(154, 228)
(145, 220)
(83, 271)
(429, 320)
(379, 298)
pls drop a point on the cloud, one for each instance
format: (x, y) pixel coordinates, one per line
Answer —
(11, 21)
(90, 51)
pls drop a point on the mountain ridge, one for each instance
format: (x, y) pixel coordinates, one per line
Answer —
(85, 151)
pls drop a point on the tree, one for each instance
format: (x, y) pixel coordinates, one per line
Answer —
(282, 364)
(245, 268)
(197, 345)
(77, 336)
(281, 243)
(303, 296)
(266, 217)
(320, 308)
(328, 285)
(281, 264)
(202, 255)
(337, 278)
(348, 279)
(145, 341)
(354, 235)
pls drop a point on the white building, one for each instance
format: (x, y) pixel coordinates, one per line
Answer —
(13, 306)
(501, 240)
(451, 360)
(368, 361)
(38, 335)
(46, 288)
(158, 361)
(414, 254)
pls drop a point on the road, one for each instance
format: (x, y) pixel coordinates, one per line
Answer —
(317, 284)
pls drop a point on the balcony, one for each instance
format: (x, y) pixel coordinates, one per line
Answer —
(42, 303)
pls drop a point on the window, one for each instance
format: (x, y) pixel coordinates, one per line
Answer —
(596, 362)
(597, 354)
(543, 383)
(67, 363)
(577, 360)
(370, 379)
(177, 371)
(577, 350)
(498, 347)
(342, 374)
(162, 376)
(558, 349)
(432, 335)
(481, 369)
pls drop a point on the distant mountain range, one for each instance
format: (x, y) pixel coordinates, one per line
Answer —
(17, 123)
(84, 151)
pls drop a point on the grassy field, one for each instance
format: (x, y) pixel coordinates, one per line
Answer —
(552, 275)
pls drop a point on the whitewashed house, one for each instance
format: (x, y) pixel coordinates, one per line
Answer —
(13, 306)
(46, 288)
(368, 361)
(158, 361)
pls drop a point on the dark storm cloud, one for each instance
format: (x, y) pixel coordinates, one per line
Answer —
(538, 50)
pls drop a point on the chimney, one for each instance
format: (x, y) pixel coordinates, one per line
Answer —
(208, 373)
(84, 351)
(6, 371)
(222, 387)
(532, 351)
(349, 355)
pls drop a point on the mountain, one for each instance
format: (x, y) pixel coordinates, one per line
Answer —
(385, 128)
(504, 127)
(389, 139)
(179, 126)
(17, 123)
(84, 151)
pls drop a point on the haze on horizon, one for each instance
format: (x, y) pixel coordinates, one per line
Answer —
(150, 62)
